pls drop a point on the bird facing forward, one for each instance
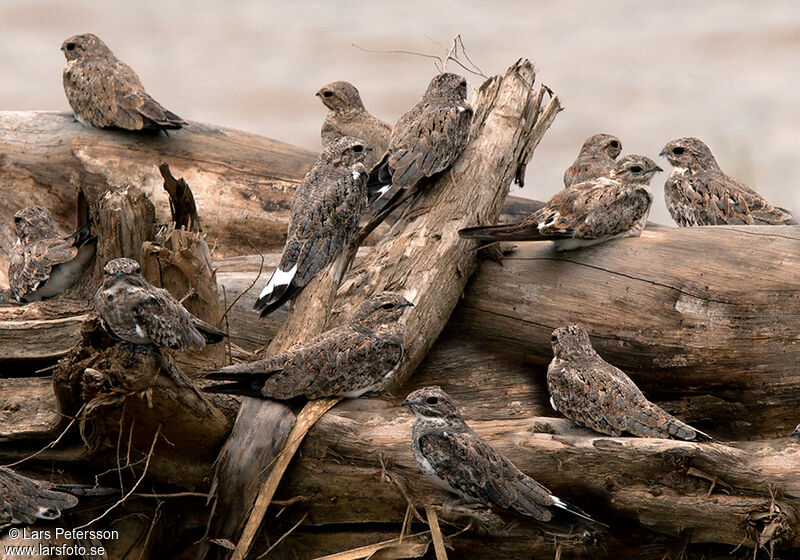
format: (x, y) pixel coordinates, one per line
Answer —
(348, 361)
(588, 213)
(135, 311)
(699, 193)
(105, 92)
(326, 210)
(594, 394)
(42, 263)
(595, 159)
(456, 459)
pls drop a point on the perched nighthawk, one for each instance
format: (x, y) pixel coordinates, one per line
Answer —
(425, 141)
(24, 500)
(43, 264)
(347, 361)
(348, 117)
(594, 394)
(456, 459)
(137, 312)
(699, 193)
(326, 210)
(105, 92)
(796, 431)
(595, 159)
(588, 213)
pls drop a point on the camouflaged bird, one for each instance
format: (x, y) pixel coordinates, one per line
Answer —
(348, 361)
(24, 500)
(796, 431)
(425, 141)
(596, 159)
(699, 193)
(326, 210)
(105, 92)
(137, 312)
(594, 394)
(456, 459)
(588, 213)
(348, 117)
(43, 264)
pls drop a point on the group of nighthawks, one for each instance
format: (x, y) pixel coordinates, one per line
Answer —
(364, 159)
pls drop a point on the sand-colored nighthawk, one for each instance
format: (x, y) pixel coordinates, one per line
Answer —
(348, 361)
(426, 140)
(594, 394)
(105, 92)
(24, 500)
(595, 159)
(43, 264)
(348, 117)
(456, 459)
(699, 193)
(588, 213)
(135, 311)
(326, 210)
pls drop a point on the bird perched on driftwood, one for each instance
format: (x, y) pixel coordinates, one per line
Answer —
(456, 459)
(42, 263)
(137, 312)
(425, 141)
(24, 500)
(326, 210)
(699, 193)
(105, 92)
(588, 213)
(348, 117)
(348, 361)
(594, 394)
(595, 159)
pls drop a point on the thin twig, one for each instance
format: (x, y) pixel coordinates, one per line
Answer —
(51, 444)
(283, 536)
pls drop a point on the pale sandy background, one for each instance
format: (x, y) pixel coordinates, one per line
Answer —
(728, 72)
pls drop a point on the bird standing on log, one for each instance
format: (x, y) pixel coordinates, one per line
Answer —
(596, 159)
(42, 263)
(348, 117)
(588, 213)
(456, 459)
(594, 394)
(699, 193)
(348, 361)
(326, 210)
(105, 92)
(135, 311)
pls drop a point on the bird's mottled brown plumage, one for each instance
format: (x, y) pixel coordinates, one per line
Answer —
(349, 360)
(348, 117)
(595, 159)
(137, 312)
(42, 263)
(326, 210)
(105, 92)
(699, 193)
(456, 459)
(427, 139)
(594, 394)
(599, 210)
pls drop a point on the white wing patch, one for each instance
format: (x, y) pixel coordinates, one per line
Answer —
(279, 278)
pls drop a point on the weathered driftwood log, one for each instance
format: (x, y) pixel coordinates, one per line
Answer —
(421, 256)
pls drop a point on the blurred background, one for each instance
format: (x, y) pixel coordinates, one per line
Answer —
(725, 71)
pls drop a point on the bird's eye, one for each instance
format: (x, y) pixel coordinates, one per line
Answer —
(677, 150)
(387, 305)
(432, 400)
(17, 219)
(70, 46)
(614, 144)
(636, 168)
(358, 148)
(327, 93)
(553, 338)
(463, 83)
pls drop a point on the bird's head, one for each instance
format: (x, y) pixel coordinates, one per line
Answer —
(634, 169)
(447, 86)
(341, 97)
(382, 309)
(602, 144)
(689, 153)
(118, 268)
(431, 402)
(33, 223)
(346, 151)
(570, 341)
(85, 44)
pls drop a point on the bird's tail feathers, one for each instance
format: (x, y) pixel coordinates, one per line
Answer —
(277, 291)
(575, 511)
(509, 232)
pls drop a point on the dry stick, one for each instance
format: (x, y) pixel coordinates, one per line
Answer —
(312, 412)
(283, 536)
(436, 533)
(51, 444)
(415, 540)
